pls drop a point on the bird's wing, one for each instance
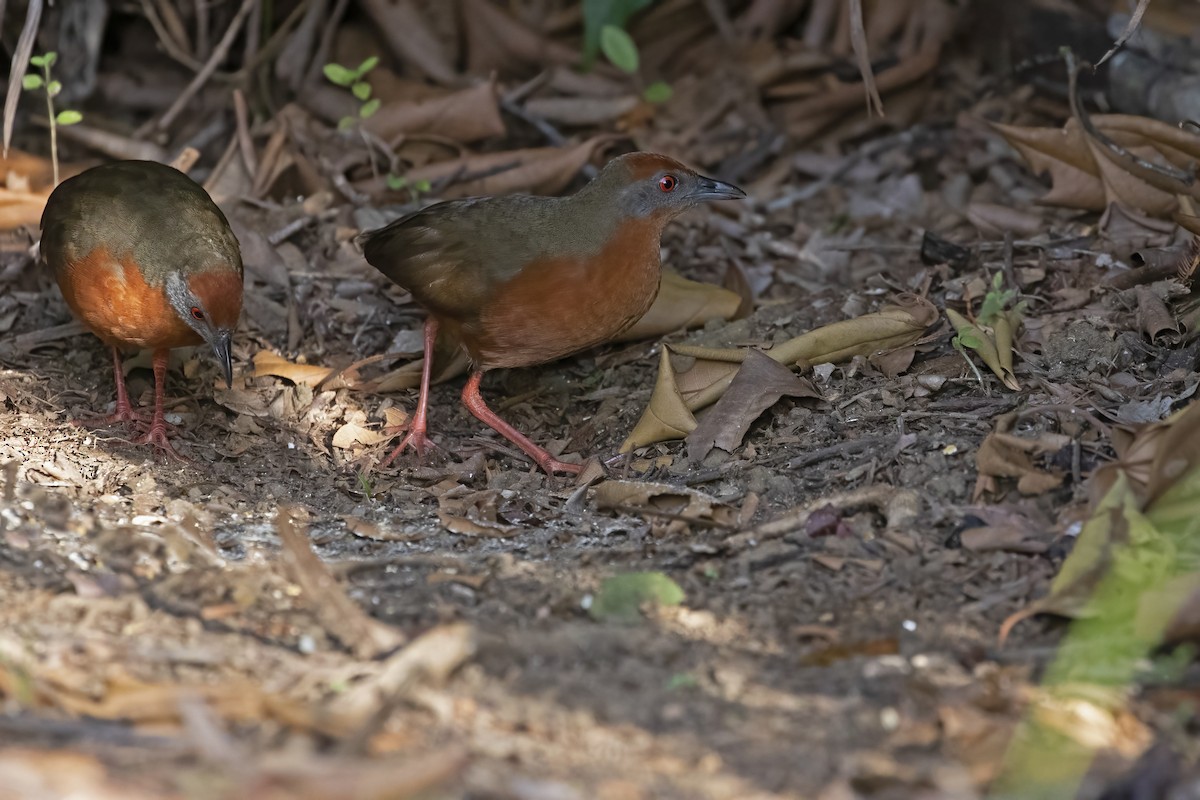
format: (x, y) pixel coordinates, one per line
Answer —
(452, 255)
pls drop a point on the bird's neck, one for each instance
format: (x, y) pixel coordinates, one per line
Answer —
(593, 216)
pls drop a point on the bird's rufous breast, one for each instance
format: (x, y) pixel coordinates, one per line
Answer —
(558, 306)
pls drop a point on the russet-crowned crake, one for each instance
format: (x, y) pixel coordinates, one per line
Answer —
(524, 280)
(145, 259)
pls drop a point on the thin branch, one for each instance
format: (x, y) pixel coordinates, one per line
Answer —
(20, 63)
(1130, 28)
(210, 66)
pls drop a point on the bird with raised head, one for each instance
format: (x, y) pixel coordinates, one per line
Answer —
(523, 280)
(145, 259)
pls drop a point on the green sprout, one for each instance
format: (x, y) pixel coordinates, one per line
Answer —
(415, 189)
(33, 82)
(355, 81)
(604, 31)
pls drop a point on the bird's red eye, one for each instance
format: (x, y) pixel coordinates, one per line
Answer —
(197, 314)
(668, 183)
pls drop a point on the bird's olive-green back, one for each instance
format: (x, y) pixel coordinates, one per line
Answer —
(152, 211)
(453, 255)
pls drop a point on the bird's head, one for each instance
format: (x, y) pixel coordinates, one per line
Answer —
(652, 185)
(210, 304)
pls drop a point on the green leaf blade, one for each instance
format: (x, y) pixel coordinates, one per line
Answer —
(31, 81)
(369, 108)
(366, 66)
(339, 75)
(658, 93)
(361, 90)
(620, 598)
(619, 48)
(68, 116)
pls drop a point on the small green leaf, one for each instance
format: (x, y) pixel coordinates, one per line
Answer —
(366, 66)
(50, 58)
(997, 280)
(620, 598)
(68, 116)
(658, 93)
(345, 123)
(361, 90)
(619, 48)
(53, 88)
(970, 340)
(338, 74)
(395, 182)
(423, 185)
(37, 61)
(31, 81)
(369, 108)
(681, 680)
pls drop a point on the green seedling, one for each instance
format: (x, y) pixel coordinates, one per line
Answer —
(991, 333)
(604, 31)
(355, 81)
(365, 485)
(398, 183)
(32, 82)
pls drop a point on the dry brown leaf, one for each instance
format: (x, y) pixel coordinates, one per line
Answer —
(580, 111)
(473, 513)
(430, 658)
(1086, 174)
(412, 38)
(1155, 320)
(267, 362)
(992, 219)
(28, 773)
(1003, 455)
(498, 43)
(759, 384)
(699, 386)
(354, 435)
(536, 170)
(341, 617)
(1152, 456)
(467, 115)
(678, 505)
(667, 415)
(681, 304)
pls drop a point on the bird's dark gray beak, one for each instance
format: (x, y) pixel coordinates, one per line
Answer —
(711, 189)
(222, 345)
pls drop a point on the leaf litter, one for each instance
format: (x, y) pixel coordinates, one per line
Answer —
(424, 629)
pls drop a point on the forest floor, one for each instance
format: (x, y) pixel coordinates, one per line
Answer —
(164, 631)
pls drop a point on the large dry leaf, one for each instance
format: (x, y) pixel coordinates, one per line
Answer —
(342, 617)
(702, 384)
(681, 304)
(535, 170)
(1087, 174)
(1004, 455)
(412, 37)
(759, 384)
(467, 115)
(267, 362)
(679, 506)
(497, 42)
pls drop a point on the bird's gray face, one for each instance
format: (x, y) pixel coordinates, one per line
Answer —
(675, 191)
(192, 310)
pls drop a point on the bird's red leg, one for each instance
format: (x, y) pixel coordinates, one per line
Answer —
(124, 411)
(417, 427)
(473, 400)
(157, 434)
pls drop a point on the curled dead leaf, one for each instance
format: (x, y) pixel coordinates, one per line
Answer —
(893, 326)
